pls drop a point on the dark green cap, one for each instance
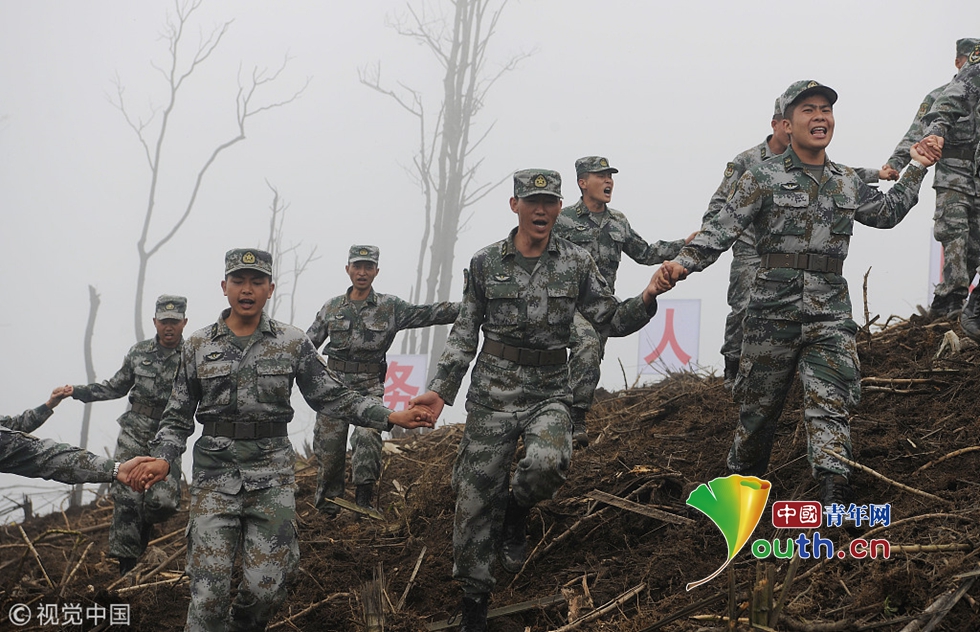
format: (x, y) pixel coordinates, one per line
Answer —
(248, 259)
(966, 46)
(800, 89)
(593, 164)
(170, 306)
(363, 253)
(528, 182)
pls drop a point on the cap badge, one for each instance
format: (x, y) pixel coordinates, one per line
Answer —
(603, 163)
(169, 306)
(812, 84)
(248, 258)
(362, 251)
(540, 182)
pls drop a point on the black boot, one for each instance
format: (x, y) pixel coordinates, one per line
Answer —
(955, 307)
(474, 617)
(513, 544)
(580, 438)
(363, 494)
(970, 317)
(126, 564)
(835, 489)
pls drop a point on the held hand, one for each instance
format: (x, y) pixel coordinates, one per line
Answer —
(431, 400)
(923, 153)
(415, 417)
(146, 473)
(888, 172)
(930, 147)
(57, 395)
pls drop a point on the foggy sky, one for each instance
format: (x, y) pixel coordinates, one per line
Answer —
(669, 92)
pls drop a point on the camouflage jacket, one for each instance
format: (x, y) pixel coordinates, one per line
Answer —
(527, 310)
(792, 213)
(955, 170)
(959, 99)
(27, 455)
(366, 334)
(29, 420)
(220, 382)
(742, 163)
(608, 240)
(147, 375)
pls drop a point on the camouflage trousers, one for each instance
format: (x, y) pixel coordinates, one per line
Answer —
(825, 354)
(745, 263)
(330, 447)
(957, 228)
(587, 346)
(480, 479)
(133, 513)
(260, 524)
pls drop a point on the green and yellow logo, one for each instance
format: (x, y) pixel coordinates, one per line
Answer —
(735, 504)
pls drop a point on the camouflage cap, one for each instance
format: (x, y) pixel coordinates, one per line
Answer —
(528, 182)
(363, 253)
(777, 112)
(966, 46)
(593, 164)
(248, 259)
(170, 306)
(803, 88)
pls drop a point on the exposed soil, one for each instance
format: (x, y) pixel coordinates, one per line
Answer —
(652, 445)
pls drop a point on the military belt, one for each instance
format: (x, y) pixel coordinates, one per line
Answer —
(153, 412)
(960, 152)
(353, 367)
(526, 357)
(803, 261)
(245, 429)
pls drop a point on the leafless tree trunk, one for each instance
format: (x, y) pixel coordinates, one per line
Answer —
(444, 165)
(277, 216)
(93, 300)
(152, 141)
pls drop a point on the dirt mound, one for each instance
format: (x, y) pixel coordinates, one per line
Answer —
(651, 446)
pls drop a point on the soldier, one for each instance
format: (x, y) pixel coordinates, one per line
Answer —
(802, 207)
(361, 326)
(32, 418)
(237, 375)
(745, 259)
(147, 375)
(957, 225)
(960, 98)
(606, 234)
(26, 455)
(523, 292)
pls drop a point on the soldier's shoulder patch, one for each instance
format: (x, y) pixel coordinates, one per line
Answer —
(923, 109)
(790, 186)
(730, 170)
(975, 55)
(214, 355)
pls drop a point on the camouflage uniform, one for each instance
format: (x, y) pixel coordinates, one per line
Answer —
(29, 420)
(508, 399)
(147, 375)
(242, 494)
(360, 334)
(798, 316)
(959, 100)
(745, 259)
(26, 455)
(606, 236)
(957, 217)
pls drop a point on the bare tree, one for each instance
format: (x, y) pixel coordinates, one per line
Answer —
(175, 72)
(277, 216)
(75, 500)
(444, 165)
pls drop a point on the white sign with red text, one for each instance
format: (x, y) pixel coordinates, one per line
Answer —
(405, 379)
(669, 342)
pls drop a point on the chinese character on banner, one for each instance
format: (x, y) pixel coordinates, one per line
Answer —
(405, 379)
(669, 342)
